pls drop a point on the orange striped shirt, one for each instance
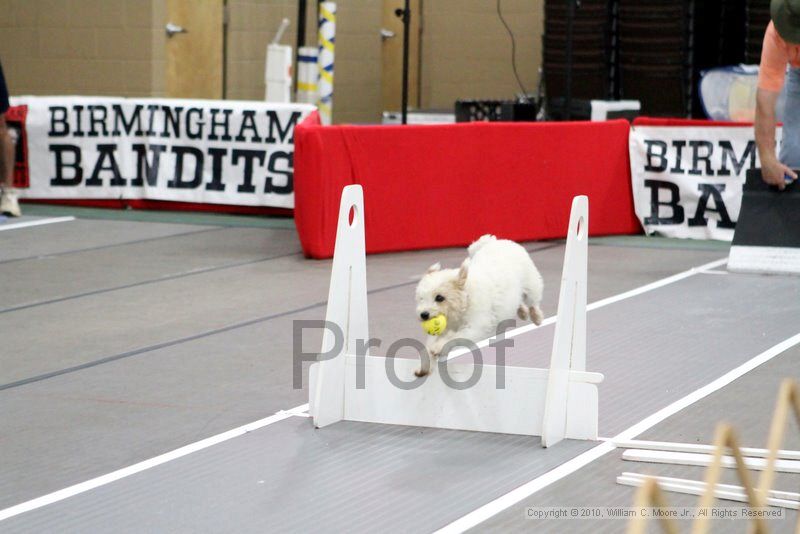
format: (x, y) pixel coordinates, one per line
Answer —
(775, 55)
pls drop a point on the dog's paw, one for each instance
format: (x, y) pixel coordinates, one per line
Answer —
(522, 312)
(435, 350)
(419, 373)
(536, 315)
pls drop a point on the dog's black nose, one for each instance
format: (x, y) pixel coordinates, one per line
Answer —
(425, 316)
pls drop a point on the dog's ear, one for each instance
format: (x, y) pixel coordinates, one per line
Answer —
(463, 272)
(435, 267)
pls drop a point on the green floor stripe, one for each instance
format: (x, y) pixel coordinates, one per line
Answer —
(643, 241)
(175, 217)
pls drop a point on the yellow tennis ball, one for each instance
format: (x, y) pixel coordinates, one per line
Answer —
(435, 325)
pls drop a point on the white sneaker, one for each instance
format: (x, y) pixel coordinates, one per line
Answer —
(9, 205)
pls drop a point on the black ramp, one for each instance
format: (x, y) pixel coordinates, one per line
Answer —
(654, 349)
(768, 217)
(767, 237)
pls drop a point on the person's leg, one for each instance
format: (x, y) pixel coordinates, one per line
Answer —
(6, 155)
(9, 205)
(789, 153)
(8, 197)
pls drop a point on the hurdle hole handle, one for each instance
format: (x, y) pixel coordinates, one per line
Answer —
(580, 228)
(353, 216)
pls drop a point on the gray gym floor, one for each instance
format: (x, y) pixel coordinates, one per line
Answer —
(127, 335)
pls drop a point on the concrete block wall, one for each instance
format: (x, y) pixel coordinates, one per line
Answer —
(357, 78)
(252, 24)
(101, 47)
(117, 47)
(466, 51)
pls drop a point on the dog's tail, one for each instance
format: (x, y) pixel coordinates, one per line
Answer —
(477, 245)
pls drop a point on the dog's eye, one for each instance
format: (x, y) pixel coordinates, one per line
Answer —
(439, 298)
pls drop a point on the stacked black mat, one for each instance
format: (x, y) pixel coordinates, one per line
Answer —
(757, 19)
(592, 51)
(652, 51)
(655, 55)
(730, 34)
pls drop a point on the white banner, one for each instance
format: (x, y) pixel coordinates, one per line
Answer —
(687, 180)
(200, 151)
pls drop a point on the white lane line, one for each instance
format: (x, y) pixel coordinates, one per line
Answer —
(38, 222)
(496, 506)
(82, 487)
(706, 267)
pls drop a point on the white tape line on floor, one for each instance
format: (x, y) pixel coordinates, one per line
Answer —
(37, 222)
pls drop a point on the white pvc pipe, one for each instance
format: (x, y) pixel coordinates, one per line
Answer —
(281, 29)
(701, 448)
(685, 458)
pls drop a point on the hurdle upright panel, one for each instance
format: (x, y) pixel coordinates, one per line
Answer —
(347, 309)
(569, 343)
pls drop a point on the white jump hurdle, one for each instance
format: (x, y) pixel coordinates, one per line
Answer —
(555, 403)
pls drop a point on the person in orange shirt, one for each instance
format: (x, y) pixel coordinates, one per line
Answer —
(781, 49)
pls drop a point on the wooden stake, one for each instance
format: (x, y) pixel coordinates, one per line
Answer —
(788, 398)
(726, 437)
(650, 494)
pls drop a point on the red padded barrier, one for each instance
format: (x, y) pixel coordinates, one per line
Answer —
(461, 165)
(431, 186)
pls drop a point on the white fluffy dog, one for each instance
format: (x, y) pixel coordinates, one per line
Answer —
(498, 281)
